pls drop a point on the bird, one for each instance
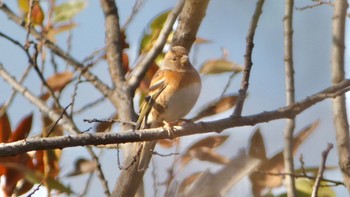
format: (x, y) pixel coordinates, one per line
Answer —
(173, 91)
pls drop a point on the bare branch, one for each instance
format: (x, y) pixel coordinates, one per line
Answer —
(321, 170)
(338, 73)
(84, 139)
(248, 58)
(113, 42)
(189, 21)
(290, 96)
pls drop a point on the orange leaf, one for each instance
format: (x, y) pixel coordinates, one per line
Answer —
(215, 107)
(22, 129)
(218, 66)
(57, 82)
(5, 128)
(37, 14)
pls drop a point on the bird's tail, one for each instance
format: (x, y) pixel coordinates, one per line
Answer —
(145, 154)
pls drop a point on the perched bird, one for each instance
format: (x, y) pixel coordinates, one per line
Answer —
(173, 91)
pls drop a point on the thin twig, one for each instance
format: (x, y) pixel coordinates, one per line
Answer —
(56, 122)
(228, 84)
(135, 9)
(290, 96)
(321, 170)
(336, 183)
(9, 101)
(109, 121)
(87, 185)
(36, 189)
(248, 59)
(89, 105)
(318, 3)
(29, 22)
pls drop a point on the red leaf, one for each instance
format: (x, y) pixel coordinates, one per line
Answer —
(22, 129)
(5, 128)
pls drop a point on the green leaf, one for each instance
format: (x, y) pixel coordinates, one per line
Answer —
(304, 189)
(152, 34)
(66, 11)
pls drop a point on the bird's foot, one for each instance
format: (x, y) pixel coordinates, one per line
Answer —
(169, 126)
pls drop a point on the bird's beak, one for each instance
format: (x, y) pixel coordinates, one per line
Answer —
(184, 59)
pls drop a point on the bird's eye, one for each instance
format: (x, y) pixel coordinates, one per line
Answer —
(174, 59)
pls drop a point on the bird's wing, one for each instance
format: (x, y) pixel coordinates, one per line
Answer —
(156, 89)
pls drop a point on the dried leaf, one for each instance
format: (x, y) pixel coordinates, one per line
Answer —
(5, 128)
(188, 181)
(218, 66)
(22, 129)
(105, 126)
(57, 82)
(276, 164)
(83, 166)
(66, 11)
(196, 150)
(303, 135)
(52, 32)
(208, 154)
(210, 142)
(257, 146)
(218, 106)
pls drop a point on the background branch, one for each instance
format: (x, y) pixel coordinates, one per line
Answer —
(338, 73)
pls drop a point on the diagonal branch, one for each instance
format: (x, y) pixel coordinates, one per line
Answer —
(141, 68)
(84, 139)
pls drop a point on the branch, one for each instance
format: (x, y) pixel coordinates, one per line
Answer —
(113, 43)
(84, 139)
(290, 96)
(189, 21)
(103, 88)
(248, 58)
(141, 68)
(339, 104)
(321, 170)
